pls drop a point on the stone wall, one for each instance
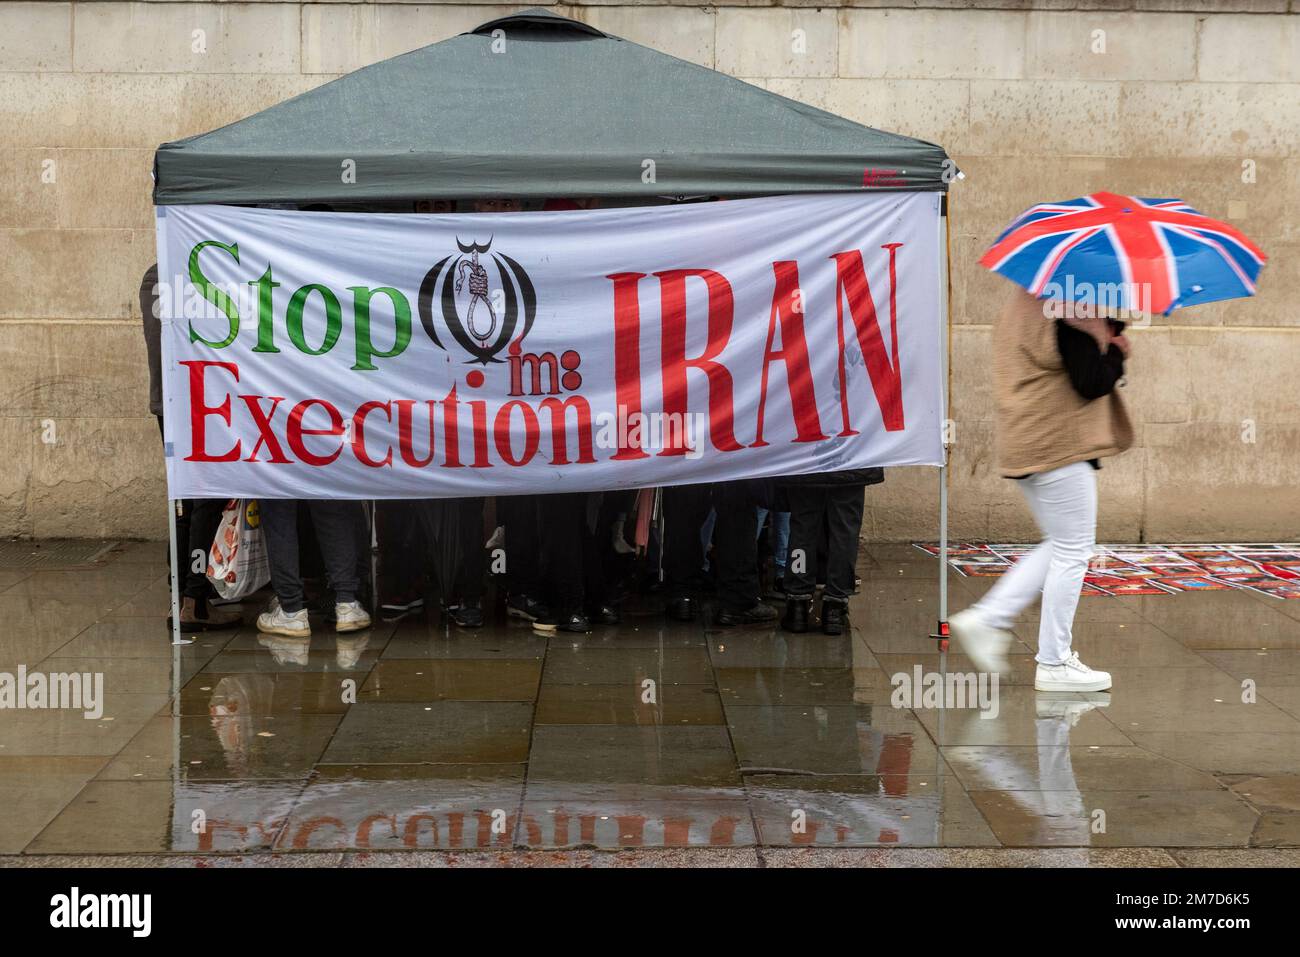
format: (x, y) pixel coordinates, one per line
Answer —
(1189, 97)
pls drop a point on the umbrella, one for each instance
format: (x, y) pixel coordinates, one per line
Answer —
(1126, 252)
(441, 520)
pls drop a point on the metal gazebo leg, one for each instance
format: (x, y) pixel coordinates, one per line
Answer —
(945, 348)
(374, 557)
(941, 632)
(174, 557)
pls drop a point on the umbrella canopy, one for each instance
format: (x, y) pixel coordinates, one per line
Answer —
(537, 105)
(1129, 252)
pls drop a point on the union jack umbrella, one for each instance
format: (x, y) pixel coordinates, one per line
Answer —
(1130, 252)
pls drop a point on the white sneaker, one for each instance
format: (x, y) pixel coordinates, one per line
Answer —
(350, 616)
(985, 645)
(1070, 675)
(277, 621)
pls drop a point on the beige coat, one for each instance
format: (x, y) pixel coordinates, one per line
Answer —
(1042, 422)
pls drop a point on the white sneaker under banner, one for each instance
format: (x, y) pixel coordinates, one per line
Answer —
(277, 621)
(350, 616)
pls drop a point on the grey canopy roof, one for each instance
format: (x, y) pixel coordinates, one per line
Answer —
(547, 106)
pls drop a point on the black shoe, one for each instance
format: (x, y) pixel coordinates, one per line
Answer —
(834, 617)
(681, 609)
(529, 609)
(467, 616)
(605, 615)
(577, 623)
(403, 603)
(777, 589)
(399, 608)
(756, 614)
(796, 615)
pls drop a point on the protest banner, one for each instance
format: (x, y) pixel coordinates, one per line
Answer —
(358, 355)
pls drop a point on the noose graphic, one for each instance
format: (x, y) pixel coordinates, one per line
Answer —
(478, 289)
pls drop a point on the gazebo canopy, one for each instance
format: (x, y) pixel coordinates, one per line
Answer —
(536, 104)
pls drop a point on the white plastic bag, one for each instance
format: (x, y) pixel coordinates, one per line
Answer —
(237, 562)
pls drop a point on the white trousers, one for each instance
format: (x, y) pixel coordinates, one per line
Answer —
(1064, 503)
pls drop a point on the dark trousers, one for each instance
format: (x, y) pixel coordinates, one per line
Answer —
(685, 509)
(836, 512)
(545, 538)
(466, 551)
(603, 566)
(402, 536)
(735, 547)
(196, 527)
(335, 523)
(563, 532)
(473, 560)
(518, 513)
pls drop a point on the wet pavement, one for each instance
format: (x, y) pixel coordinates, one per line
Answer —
(673, 743)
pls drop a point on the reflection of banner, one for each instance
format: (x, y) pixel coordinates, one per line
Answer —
(341, 355)
(426, 814)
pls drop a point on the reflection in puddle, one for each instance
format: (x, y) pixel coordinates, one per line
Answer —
(651, 734)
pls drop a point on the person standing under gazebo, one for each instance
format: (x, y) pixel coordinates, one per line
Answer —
(196, 518)
(824, 507)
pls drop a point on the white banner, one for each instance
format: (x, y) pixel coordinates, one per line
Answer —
(347, 355)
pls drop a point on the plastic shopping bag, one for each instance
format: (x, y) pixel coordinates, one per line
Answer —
(237, 563)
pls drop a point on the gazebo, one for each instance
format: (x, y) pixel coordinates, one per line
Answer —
(538, 105)
(567, 111)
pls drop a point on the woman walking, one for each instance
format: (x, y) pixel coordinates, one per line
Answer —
(1058, 414)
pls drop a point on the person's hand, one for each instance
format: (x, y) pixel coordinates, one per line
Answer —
(1122, 344)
